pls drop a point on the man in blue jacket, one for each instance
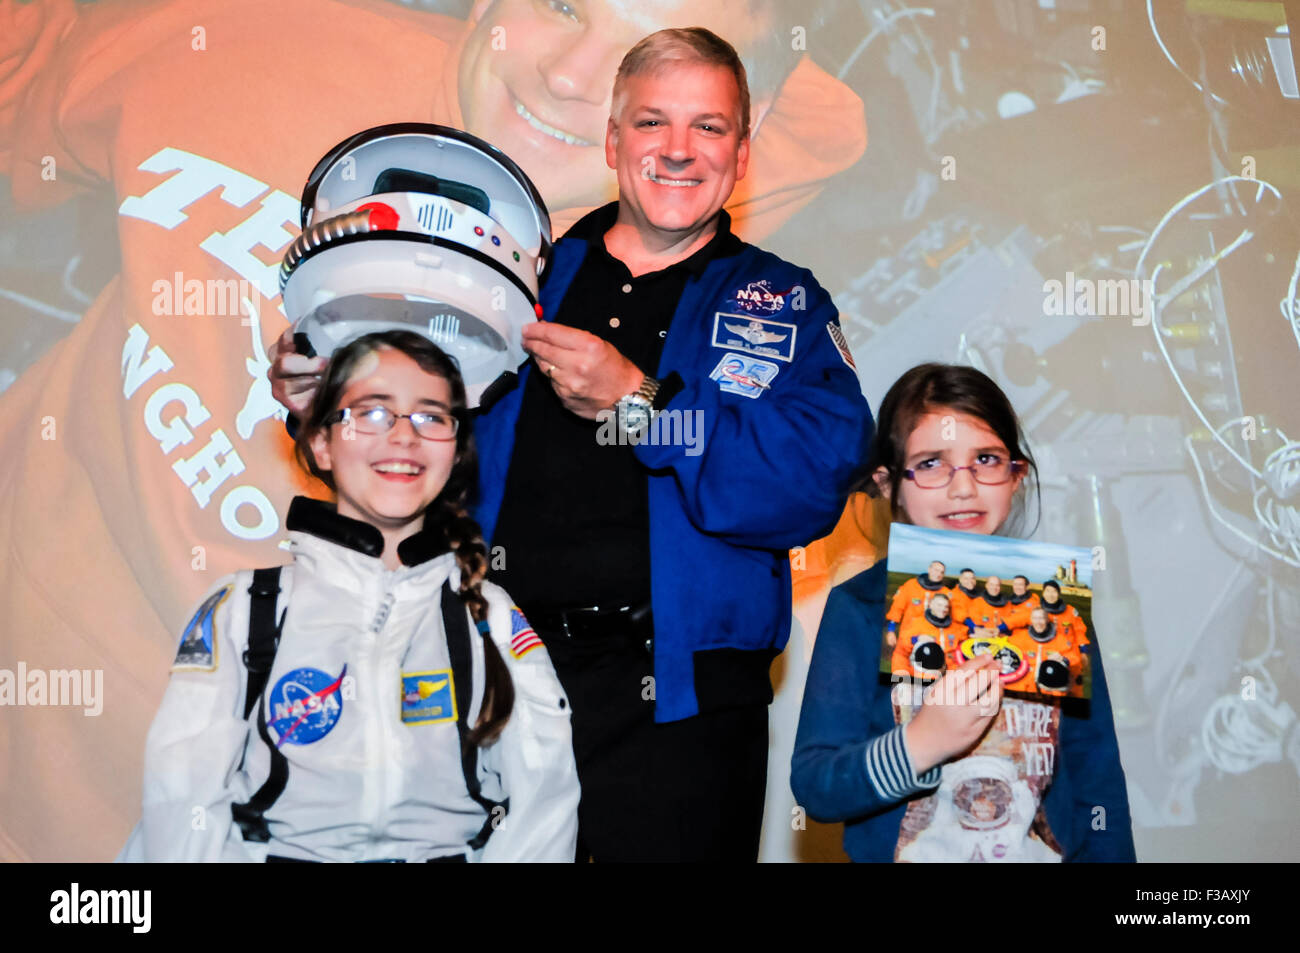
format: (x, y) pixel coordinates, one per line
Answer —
(696, 415)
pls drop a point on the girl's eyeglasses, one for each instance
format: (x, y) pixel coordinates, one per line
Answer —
(430, 425)
(990, 473)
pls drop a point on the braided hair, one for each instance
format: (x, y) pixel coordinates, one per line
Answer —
(447, 512)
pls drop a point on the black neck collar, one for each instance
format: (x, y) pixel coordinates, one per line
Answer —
(936, 621)
(1056, 608)
(925, 582)
(1046, 636)
(972, 592)
(322, 520)
(1018, 600)
(996, 601)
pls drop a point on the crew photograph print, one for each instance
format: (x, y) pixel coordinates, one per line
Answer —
(458, 431)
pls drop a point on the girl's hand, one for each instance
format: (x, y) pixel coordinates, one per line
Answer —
(957, 711)
(294, 378)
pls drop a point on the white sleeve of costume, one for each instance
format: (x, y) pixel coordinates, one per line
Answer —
(534, 754)
(196, 743)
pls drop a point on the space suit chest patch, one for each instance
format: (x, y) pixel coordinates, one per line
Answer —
(744, 332)
(428, 698)
(305, 705)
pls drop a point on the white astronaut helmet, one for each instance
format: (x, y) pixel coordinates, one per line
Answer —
(419, 227)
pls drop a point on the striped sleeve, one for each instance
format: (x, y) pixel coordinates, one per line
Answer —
(889, 768)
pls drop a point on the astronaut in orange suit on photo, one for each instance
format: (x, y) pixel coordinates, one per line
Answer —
(935, 624)
(963, 594)
(913, 598)
(1065, 616)
(1042, 639)
(993, 610)
(1022, 602)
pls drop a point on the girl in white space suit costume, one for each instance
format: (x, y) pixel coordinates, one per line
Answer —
(409, 713)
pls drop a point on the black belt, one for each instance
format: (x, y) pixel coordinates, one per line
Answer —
(596, 622)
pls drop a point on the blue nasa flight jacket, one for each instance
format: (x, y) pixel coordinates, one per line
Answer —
(775, 464)
(850, 765)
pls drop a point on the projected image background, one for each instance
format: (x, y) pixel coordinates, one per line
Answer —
(1091, 200)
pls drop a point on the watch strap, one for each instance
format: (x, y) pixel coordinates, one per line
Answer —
(648, 389)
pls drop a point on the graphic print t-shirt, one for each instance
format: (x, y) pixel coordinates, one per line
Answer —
(988, 805)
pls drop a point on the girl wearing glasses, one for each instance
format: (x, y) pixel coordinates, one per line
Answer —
(408, 712)
(905, 769)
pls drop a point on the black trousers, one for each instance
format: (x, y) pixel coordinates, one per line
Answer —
(689, 790)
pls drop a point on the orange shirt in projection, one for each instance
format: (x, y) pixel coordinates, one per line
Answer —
(853, 546)
(142, 457)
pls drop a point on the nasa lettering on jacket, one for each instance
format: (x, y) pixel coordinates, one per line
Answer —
(361, 701)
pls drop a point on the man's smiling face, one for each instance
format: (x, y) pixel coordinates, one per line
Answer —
(536, 76)
(676, 145)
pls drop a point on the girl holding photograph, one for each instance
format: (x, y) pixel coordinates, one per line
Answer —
(950, 771)
(376, 699)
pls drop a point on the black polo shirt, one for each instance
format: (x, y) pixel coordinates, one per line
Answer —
(575, 521)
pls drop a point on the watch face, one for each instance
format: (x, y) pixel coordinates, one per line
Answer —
(633, 415)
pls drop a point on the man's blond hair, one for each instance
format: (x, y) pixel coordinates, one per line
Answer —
(658, 53)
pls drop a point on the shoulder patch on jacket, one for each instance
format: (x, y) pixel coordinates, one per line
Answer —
(522, 637)
(198, 648)
(841, 343)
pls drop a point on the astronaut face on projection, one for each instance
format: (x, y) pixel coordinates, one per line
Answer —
(536, 77)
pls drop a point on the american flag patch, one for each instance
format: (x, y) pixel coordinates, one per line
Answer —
(841, 343)
(522, 637)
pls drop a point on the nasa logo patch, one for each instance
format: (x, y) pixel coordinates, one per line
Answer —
(428, 698)
(758, 297)
(198, 649)
(305, 706)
